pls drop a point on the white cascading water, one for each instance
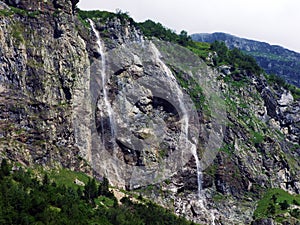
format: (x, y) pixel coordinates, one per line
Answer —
(186, 128)
(185, 117)
(199, 170)
(103, 80)
(213, 218)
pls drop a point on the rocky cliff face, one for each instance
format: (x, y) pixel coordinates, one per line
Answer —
(149, 115)
(43, 70)
(272, 58)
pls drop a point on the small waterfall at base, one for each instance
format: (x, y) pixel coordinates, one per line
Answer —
(213, 218)
(199, 171)
(103, 82)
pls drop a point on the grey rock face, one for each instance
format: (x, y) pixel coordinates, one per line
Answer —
(147, 115)
(263, 222)
(40, 77)
(53, 112)
(67, 6)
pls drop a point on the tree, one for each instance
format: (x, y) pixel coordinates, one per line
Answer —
(271, 209)
(274, 198)
(296, 213)
(184, 39)
(4, 168)
(222, 52)
(284, 205)
(46, 180)
(104, 188)
(79, 192)
(90, 190)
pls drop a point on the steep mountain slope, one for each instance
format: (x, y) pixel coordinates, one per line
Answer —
(91, 93)
(272, 58)
(43, 65)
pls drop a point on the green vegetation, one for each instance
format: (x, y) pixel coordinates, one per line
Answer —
(295, 147)
(39, 197)
(5, 12)
(18, 11)
(151, 29)
(17, 32)
(276, 203)
(236, 58)
(104, 16)
(274, 79)
(21, 12)
(227, 148)
(256, 137)
(201, 49)
(282, 61)
(236, 83)
(65, 177)
(193, 89)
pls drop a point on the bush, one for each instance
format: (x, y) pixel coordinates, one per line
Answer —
(284, 205)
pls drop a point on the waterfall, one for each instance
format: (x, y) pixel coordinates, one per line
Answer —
(185, 117)
(107, 104)
(199, 170)
(213, 218)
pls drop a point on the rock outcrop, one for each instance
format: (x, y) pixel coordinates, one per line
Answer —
(67, 6)
(43, 70)
(104, 99)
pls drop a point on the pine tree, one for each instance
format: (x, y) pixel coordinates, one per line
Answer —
(284, 205)
(104, 188)
(90, 190)
(4, 168)
(271, 209)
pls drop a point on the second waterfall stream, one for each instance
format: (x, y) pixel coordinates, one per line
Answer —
(103, 75)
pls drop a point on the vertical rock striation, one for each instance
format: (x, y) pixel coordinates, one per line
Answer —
(43, 77)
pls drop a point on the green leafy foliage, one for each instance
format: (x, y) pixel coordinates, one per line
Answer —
(227, 148)
(103, 188)
(90, 190)
(256, 137)
(236, 58)
(193, 89)
(13, 10)
(17, 32)
(25, 199)
(4, 169)
(201, 49)
(67, 177)
(275, 203)
(5, 12)
(151, 29)
(104, 16)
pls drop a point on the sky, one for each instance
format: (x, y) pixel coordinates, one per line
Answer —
(272, 21)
